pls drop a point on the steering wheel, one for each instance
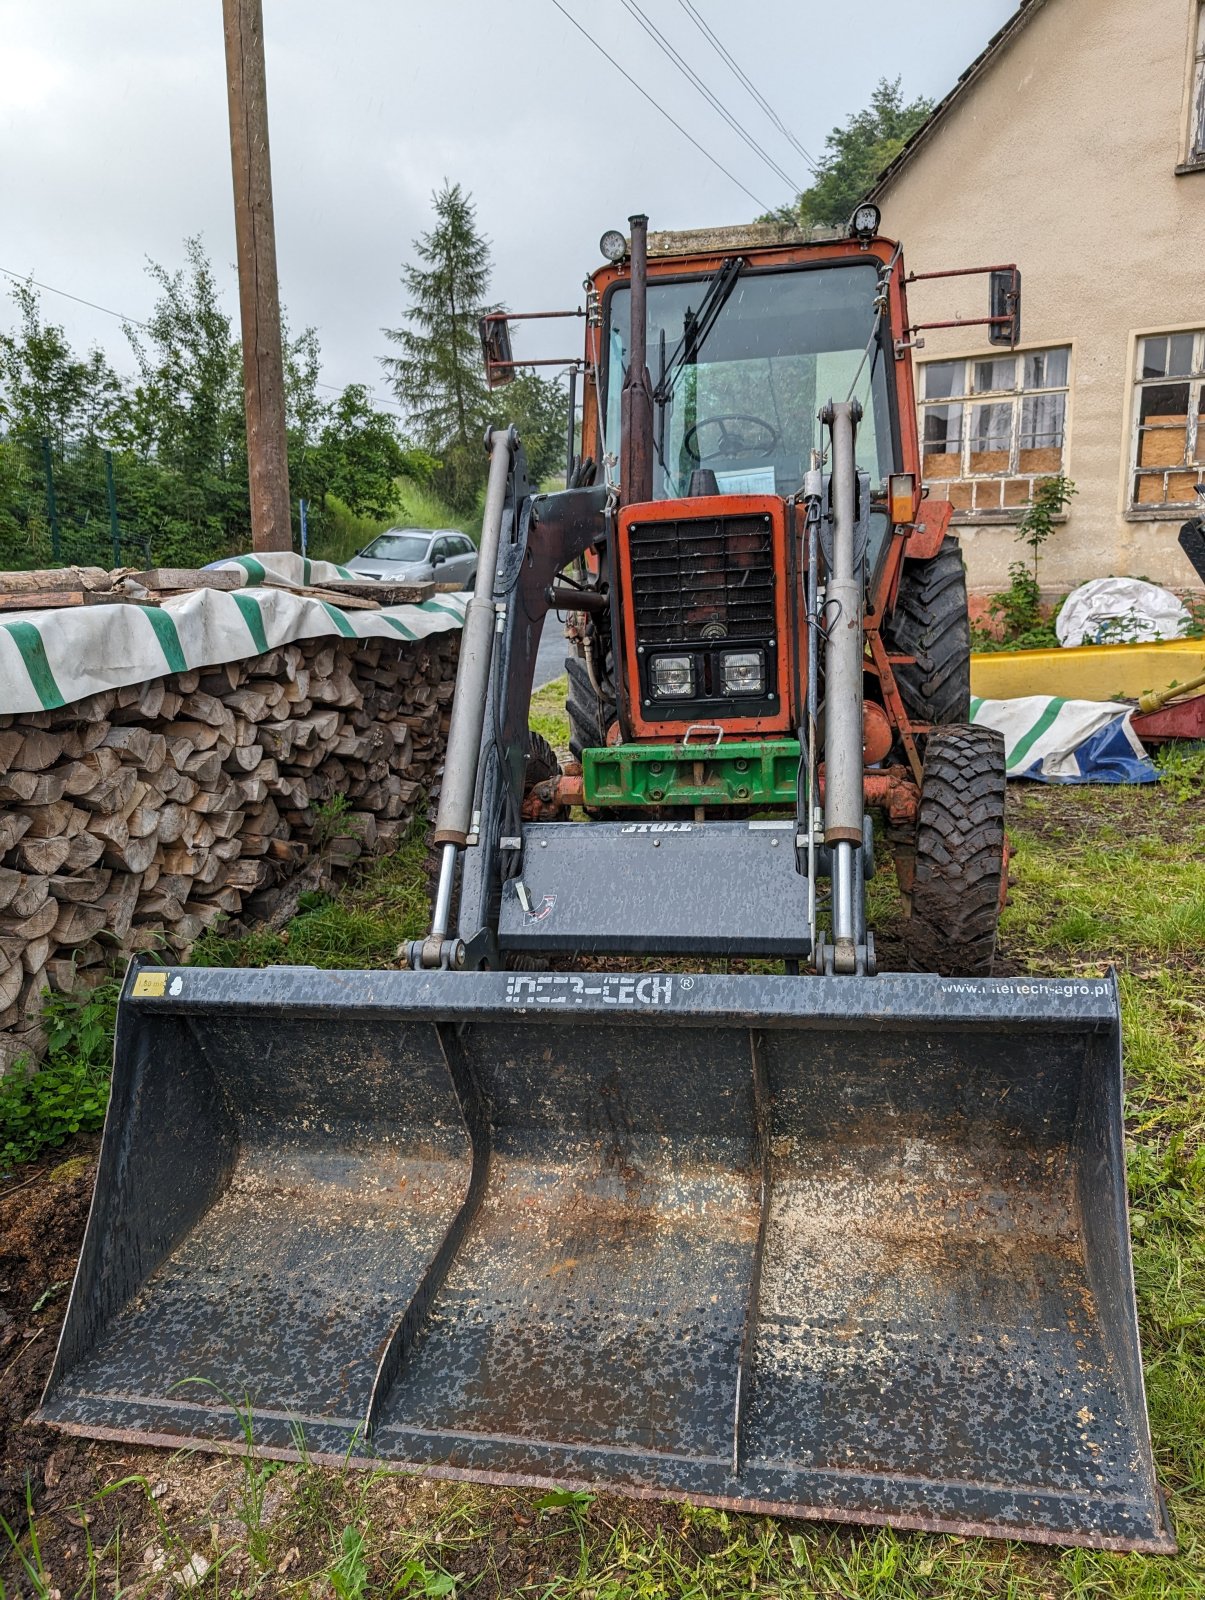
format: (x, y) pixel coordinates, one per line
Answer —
(733, 441)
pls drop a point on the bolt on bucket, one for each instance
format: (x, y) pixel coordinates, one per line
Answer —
(852, 1249)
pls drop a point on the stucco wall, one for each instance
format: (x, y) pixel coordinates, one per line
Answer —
(1062, 157)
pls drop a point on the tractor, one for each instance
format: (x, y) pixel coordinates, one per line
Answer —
(559, 1203)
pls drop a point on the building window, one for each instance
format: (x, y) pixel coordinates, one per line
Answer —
(994, 426)
(1196, 126)
(1169, 421)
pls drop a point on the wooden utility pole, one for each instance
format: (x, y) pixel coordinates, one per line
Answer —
(259, 297)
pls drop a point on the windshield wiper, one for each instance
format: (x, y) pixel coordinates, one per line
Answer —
(697, 325)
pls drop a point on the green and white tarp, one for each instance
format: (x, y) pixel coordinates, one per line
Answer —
(51, 658)
(283, 566)
(1067, 741)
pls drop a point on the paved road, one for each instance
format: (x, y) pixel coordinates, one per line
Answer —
(550, 661)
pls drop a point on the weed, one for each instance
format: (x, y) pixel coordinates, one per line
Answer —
(1051, 497)
(41, 1109)
(1018, 623)
(576, 1504)
(1182, 770)
(348, 1577)
(415, 1577)
(328, 819)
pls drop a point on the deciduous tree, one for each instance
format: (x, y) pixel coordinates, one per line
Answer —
(857, 153)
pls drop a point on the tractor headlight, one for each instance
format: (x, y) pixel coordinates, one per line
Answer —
(864, 223)
(743, 672)
(672, 677)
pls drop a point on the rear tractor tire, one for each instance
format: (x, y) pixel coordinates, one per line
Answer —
(930, 622)
(589, 714)
(960, 860)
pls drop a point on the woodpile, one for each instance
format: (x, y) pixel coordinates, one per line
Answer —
(60, 587)
(139, 817)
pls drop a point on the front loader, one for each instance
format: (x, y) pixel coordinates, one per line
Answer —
(547, 1206)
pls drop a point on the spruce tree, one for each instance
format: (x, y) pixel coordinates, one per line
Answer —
(438, 376)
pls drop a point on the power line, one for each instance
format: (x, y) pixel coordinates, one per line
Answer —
(658, 107)
(678, 60)
(337, 389)
(743, 78)
(18, 277)
(134, 322)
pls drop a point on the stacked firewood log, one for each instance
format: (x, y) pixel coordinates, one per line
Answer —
(138, 817)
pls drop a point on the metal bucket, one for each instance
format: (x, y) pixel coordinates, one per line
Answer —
(838, 1248)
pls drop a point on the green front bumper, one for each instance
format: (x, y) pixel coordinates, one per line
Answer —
(748, 773)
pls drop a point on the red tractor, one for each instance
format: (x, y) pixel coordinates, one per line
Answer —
(843, 1245)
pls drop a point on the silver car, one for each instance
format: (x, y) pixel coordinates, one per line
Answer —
(416, 555)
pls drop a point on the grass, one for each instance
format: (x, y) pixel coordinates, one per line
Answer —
(360, 927)
(547, 714)
(1102, 877)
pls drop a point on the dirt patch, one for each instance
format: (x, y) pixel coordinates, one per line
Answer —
(1062, 814)
(42, 1220)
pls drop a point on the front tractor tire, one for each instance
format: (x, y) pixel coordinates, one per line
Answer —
(960, 854)
(930, 623)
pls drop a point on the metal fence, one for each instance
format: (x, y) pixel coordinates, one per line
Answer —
(62, 504)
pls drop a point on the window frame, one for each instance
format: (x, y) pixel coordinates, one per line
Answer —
(968, 397)
(1194, 427)
(1194, 130)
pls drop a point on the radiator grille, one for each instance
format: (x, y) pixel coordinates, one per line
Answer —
(702, 578)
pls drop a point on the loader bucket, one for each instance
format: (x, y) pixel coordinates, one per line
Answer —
(852, 1249)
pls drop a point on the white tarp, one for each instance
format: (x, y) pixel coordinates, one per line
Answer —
(1066, 741)
(1120, 611)
(51, 658)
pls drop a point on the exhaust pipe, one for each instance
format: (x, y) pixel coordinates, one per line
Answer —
(843, 804)
(636, 398)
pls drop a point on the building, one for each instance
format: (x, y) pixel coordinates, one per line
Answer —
(1074, 146)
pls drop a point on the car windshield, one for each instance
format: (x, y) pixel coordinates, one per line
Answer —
(745, 402)
(398, 547)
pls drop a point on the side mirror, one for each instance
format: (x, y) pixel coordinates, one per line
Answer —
(496, 348)
(1004, 303)
(438, 561)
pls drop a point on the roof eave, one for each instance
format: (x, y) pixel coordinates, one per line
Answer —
(996, 45)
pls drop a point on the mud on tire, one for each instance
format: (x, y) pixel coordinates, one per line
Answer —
(959, 854)
(930, 622)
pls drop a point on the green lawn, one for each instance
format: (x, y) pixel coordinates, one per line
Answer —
(1102, 877)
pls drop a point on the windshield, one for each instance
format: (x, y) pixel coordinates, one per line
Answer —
(398, 547)
(746, 402)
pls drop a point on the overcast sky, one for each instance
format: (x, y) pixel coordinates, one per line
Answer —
(115, 138)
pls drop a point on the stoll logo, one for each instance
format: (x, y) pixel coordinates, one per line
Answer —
(657, 827)
(568, 989)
